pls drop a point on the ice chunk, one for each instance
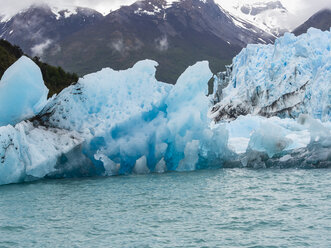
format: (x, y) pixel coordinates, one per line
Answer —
(27, 152)
(102, 100)
(240, 131)
(191, 153)
(141, 166)
(273, 135)
(23, 93)
(316, 128)
(111, 168)
(161, 166)
(187, 114)
(269, 138)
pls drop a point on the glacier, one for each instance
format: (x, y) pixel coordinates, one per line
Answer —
(286, 79)
(23, 93)
(121, 122)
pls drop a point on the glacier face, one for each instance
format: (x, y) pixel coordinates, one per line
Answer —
(286, 79)
(120, 122)
(23, 93)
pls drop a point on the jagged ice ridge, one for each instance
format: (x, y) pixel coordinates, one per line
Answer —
(120, 122)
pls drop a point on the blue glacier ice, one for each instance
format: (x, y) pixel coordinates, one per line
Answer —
(142, 121)
(23, 93)
(286, 79)
(120, 122)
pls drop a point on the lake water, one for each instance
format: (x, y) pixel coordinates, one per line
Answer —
(211, 208)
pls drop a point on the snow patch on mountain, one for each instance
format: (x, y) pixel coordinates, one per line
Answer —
(270, 16)
(60, 10)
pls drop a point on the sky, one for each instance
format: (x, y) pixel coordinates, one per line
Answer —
(303, 9)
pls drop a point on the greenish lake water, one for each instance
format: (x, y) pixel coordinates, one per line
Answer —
(210, 208)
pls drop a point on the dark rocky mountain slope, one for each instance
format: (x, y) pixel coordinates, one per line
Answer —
(175, 35)
(320, 20)
(39, 27)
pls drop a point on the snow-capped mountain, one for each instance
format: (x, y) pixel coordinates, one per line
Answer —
(36, 28)
(272, 16)
(175, 34)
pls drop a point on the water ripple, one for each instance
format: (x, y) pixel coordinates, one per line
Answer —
(218, 208)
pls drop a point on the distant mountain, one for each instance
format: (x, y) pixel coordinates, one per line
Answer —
(56, 79)
(320, 20)
(40, 26)
(175, 34)
(270, 16)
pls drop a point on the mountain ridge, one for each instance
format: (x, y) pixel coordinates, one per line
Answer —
(176, 35)
(320, 20)
(38, 26)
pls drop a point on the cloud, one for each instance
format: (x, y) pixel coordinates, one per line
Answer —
(118, 45)
(38, 50)
(103, 6)
(302, 9)
(162, 44)
(125, 47)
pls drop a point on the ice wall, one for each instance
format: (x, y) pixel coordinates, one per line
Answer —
(121, 122)
(23, 93)
(286, 79)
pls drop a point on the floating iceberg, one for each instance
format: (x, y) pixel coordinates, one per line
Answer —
(117, 122)
(132, 122)
(23, 93)
(120, 122)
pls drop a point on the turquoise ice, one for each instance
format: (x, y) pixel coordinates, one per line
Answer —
(23, 93)
(121, 122)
